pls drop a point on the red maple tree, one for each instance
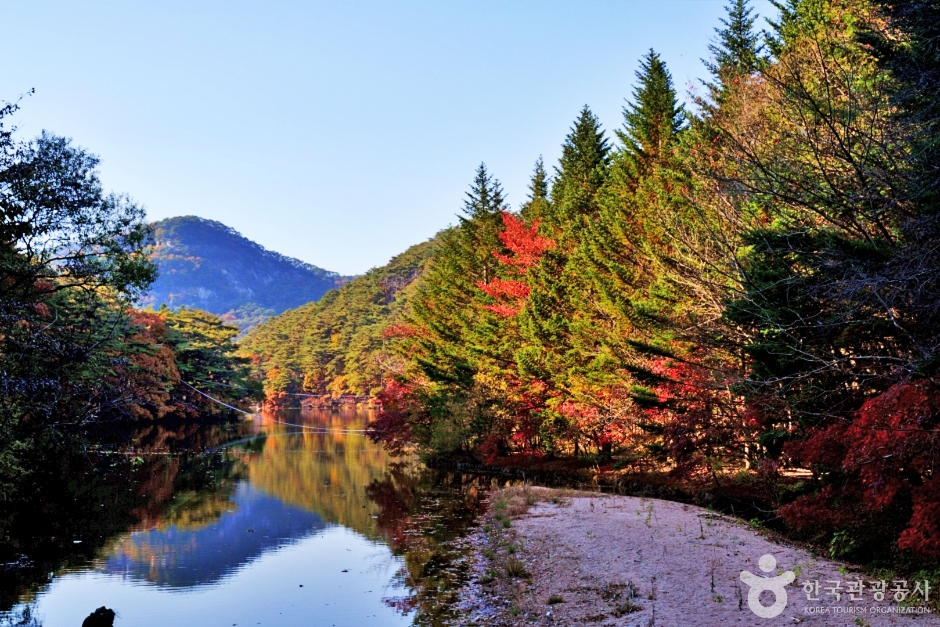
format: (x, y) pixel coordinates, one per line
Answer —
(526, 247)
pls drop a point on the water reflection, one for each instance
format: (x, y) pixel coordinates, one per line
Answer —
(324, 468)
(197, 552)
(305, 523)
(79, 501)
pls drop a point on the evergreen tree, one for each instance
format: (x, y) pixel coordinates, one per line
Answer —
(784, 27)
(623, 324)
(449, 304)
(458, 334)
(536, 205)
(737, 50)
(205, 356)
(482, 221)
(581, 171)
(484, 199)
(584, 154)
(538, 187)
(550, 321)
(654, 118)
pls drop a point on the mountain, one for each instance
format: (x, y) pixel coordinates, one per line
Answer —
(337, 345)
(205, 264)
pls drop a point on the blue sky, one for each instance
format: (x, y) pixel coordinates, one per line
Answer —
(336, 132)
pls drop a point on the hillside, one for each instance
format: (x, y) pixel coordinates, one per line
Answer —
(205, 264)
(335, 345)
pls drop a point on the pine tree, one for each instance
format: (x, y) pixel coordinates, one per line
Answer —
(536, 205)
(449, 307)
(482, 221)
(552, 314)
(654, 118)
(585, 156)
(465, 341)
(581, 171)
(784, 28)
(538, 187)
(737, 50)
(585, 151)
(621, 320)
(485, 197)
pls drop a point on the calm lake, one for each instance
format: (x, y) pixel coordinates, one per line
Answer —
(290, 518)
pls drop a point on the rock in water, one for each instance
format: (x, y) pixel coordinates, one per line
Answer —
(102, 617)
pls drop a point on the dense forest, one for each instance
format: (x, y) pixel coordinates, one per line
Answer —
(745, 289)
(206, 265)
(75, 353)
(340, 344)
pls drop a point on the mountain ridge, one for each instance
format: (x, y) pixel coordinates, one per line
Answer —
(208, 265)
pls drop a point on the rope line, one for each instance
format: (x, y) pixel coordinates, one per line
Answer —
(242, 387)
(283, 422)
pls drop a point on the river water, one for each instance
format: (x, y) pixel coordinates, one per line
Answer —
(297, 520)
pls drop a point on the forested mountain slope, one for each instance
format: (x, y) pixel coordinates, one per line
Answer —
(337, 345)
(736, 297)
(205, 264)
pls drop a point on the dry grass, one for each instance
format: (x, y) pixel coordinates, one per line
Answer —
(515, 567)
(514, 501)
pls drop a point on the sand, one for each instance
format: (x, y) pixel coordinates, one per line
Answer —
(629, 561)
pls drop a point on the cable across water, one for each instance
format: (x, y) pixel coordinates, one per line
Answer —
(283, 422)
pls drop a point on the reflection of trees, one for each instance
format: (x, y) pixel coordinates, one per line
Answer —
(188, 511)
(95, 499)
(204, 554)
(347, 479)
(423, 514)
(326, 473)
(188, 492)
(169, 436)
(195, 510)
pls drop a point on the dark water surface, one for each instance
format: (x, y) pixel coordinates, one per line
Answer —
(299, 520)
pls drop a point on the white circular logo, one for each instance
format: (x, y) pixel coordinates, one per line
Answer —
(758, 583)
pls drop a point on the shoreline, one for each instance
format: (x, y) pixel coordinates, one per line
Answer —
(563, 557)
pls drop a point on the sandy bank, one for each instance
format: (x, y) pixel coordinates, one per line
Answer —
(625, 561)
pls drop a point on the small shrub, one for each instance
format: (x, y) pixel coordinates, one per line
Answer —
(841, 545)
(554, 599)
(628, 460)
(515, 567)
(594, 459)
(627, 607)
(615, 591)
